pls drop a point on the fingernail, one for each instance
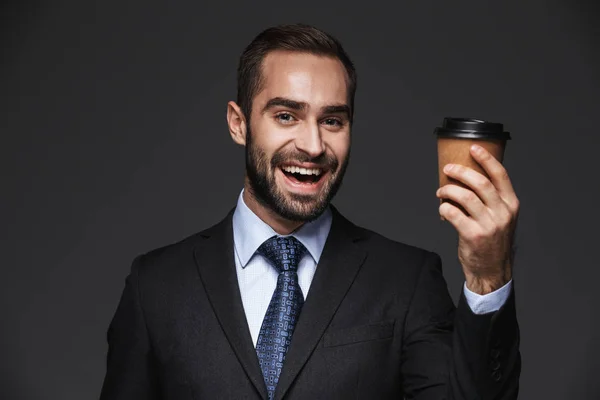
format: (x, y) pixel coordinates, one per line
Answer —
(476, 148)
(448, 167)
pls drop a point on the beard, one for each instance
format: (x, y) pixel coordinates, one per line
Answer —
(291, 206)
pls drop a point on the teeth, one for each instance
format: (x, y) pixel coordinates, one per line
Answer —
(302, 171)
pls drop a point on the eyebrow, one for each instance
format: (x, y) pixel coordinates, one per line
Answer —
(301, 106)
(337, 109)
(283, 102)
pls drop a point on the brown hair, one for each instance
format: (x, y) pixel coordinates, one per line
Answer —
(296, 37)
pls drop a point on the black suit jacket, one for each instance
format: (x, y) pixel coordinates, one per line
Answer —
(378, 323)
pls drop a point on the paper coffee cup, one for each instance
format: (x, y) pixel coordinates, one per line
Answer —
(454, 140)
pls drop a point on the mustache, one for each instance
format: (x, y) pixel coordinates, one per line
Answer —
(323, 161)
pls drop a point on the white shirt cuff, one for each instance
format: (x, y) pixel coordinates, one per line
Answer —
(487, 303)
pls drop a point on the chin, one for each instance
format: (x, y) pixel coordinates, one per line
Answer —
(302, 207)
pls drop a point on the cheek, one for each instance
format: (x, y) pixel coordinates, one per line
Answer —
(340, 145)
(269, 138)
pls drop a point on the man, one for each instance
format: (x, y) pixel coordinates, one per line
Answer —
(286, 298)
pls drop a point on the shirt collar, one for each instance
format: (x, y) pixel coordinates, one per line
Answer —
(249, 232)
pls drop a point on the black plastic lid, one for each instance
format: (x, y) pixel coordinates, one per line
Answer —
(469, 128)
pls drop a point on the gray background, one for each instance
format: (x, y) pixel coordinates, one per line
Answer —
(114, 142)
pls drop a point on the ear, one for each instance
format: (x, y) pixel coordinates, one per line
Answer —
(237, 123)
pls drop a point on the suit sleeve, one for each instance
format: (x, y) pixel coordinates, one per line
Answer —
(451, 353)
(130, 368)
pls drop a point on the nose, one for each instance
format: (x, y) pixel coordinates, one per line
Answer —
(310, 141)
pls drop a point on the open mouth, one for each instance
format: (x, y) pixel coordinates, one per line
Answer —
(299, 175)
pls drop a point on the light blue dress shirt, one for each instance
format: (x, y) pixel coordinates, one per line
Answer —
(257, 278)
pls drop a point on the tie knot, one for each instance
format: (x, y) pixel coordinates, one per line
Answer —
(284, 253)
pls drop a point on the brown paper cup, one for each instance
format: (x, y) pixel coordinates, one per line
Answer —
(453, 147)
(457, 151)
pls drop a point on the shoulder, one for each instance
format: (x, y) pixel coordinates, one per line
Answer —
(376, 243)
(399, 264)
(171, 251)
(170, 257)
(403, 260)
(380, 245)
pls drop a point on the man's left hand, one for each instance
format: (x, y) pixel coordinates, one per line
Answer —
(485, 246)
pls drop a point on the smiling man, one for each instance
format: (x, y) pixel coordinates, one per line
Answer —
(286, 298)
(297, 137)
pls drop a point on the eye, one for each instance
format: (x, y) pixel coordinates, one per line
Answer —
(333, 122)
(285, 118)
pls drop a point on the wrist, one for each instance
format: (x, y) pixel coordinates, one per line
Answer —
(486, 285)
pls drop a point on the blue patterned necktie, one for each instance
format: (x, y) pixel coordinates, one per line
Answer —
(284, 253)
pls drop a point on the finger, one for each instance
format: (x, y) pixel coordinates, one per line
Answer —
(497, 173)
(468, 200)
(457, 218)
(477, 182)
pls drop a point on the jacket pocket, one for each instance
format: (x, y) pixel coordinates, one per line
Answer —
(357, 334)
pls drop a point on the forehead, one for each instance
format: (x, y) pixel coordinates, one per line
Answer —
(314, 79)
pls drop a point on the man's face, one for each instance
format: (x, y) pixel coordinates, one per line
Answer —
(298, 139)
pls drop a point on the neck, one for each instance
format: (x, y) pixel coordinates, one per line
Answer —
(279, 224)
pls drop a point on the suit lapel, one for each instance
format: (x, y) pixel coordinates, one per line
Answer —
(337, 268)
(214, 257)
